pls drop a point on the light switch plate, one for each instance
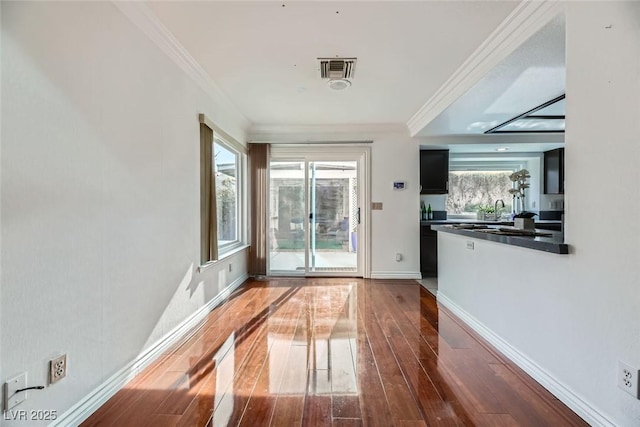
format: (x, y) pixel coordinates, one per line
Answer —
(11, 398)
(376, 206)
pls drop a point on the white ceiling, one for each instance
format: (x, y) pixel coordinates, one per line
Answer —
(529, 77)
(262, 55)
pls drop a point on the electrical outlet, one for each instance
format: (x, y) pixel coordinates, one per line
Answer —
(628, 379)
(470, 245)
(57, 369)
(11, 398)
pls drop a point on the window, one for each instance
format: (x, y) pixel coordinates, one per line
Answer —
(477, 181)
(227, 191)
(222, 199)
(471, 190)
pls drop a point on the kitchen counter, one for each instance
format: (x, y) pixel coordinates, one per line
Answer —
(484, 222)
(548, 224)
(553, 243)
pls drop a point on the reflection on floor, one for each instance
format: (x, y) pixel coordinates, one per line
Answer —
(334, 352)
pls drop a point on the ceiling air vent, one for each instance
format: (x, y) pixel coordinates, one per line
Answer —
(337, 68)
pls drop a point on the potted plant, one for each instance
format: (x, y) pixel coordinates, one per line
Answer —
(484, 211)
(522, 219)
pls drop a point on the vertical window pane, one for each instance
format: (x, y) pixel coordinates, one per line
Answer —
(226, 173)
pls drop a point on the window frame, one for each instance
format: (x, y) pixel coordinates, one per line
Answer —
(232, 244)
(207, 171)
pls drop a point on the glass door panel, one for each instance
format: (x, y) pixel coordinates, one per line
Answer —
(333, 217)
(287, 217)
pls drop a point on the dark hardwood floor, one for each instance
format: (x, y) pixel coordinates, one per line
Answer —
(340, 352)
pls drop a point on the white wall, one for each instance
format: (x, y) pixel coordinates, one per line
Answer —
(100, 195)
(576, 315)
(394, 157)
(396, 228)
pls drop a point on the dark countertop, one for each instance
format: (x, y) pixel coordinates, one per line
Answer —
(484, 222)
(554, 244)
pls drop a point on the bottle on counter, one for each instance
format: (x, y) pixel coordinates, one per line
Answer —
(423, 212)
(429, 212)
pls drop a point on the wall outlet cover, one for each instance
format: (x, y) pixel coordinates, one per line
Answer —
(11, 398)
(628, 379)
(57, 369)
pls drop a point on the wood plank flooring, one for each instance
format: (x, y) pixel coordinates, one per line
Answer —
(333, 352)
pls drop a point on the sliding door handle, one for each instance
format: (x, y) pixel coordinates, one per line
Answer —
(358, 215)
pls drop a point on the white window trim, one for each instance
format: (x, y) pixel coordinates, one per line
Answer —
(228, 254)
(241, 173)
(227, 250)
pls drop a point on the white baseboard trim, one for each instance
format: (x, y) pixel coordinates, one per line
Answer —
(396, 275)
(577, 404)
(96, 398)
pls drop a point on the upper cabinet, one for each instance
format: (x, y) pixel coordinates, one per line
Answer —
(554, 171)
(434, 171)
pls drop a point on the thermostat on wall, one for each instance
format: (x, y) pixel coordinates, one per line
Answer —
(399, 185)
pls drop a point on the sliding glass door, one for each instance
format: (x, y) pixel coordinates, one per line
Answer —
(287, 216)
(314, 217)
(333, 216)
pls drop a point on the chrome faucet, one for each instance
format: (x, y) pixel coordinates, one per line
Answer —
(495, 209)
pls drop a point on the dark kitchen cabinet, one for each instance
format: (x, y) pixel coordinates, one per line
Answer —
(434, 171)
(554, 171)
(428, 251)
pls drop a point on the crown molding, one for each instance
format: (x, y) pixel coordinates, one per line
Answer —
(150, 24)
(324, 133)
(525, 20)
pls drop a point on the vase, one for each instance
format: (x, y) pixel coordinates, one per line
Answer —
(524, 223)
(522, 206)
